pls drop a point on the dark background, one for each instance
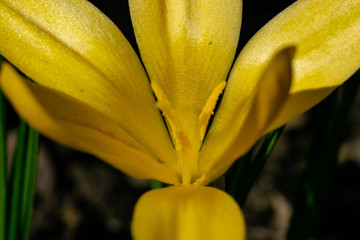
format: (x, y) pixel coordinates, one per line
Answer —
(80, 197)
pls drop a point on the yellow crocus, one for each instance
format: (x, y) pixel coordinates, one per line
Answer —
(92, 93)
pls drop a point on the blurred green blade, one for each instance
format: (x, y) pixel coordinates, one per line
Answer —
(258, 163)
(3, 166)
(17, 191)
(29, 182)
(155, 184)
(236, 172)
(16, 180)
(247, 169)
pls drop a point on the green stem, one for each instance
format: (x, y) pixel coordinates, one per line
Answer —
(3, 167)
(29, 182)
(16, 182)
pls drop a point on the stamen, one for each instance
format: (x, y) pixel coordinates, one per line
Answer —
(208, 109)
(200, 180)
(179, 137)
(187, 151)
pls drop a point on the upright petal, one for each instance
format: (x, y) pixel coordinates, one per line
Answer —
(187, 212)
(70, 46)
(80, 126)
(249, 122)
(187, 48)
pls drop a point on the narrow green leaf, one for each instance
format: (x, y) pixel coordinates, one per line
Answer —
(29, 182)
(155, 184)
(3, 166)
(236, 172)
(16, 180)
(247, 169)
(257, 164)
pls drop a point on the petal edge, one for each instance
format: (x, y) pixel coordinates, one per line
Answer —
(80, 127)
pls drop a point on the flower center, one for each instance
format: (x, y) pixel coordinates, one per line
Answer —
(187, 147)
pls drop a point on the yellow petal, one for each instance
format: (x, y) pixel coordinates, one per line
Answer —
(327, 38)
(187, 48)
(187, 212)
(70, 46)
(79, 126)
(232, 135)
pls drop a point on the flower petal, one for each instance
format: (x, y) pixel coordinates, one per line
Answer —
(70, 46)
(242, 125)
(79, 126)
(187, 48)
(187, 212)
(327, 38)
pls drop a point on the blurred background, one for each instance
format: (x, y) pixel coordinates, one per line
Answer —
(80, 197)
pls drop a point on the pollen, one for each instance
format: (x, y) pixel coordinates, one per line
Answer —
(208, 109)
(187, 148)
(180, 140)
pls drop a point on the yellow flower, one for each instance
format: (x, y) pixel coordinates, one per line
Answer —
(92, 93)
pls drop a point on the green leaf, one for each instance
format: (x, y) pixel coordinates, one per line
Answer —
(16, 182)
(29, 182)
(155, 184)
(3, 166)
(247, 168)
(23, 182)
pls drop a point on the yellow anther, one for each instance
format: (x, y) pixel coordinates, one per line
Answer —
(208, 109)
(180, 139)
(186, 150)
(200, 180)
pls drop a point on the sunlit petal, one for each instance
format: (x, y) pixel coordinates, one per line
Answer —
(79, 126)
(187, 212)
(70, 46)
(187, 48)
(328, 53)
(327, 38)
(241, 130)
